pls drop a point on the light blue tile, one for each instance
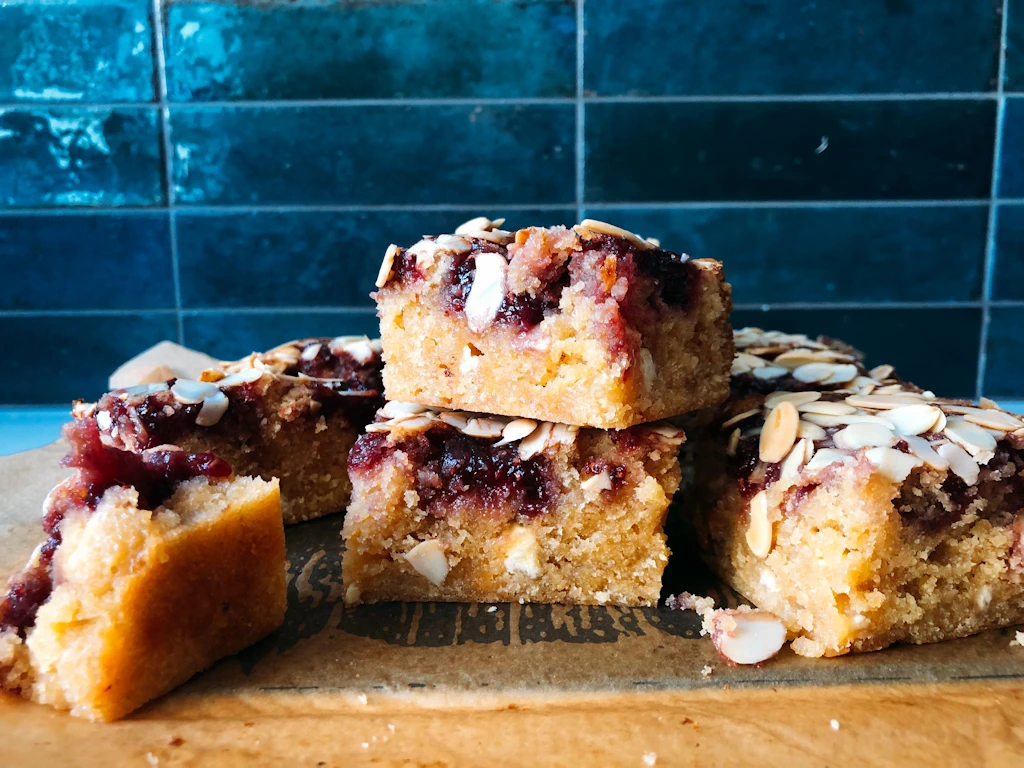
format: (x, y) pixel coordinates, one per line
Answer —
(22, 429)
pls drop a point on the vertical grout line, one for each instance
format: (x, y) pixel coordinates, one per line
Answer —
(990, 243)
(165, 136)
(580, 114)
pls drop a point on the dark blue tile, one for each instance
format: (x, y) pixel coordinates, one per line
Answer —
(777, 150)
(100, 50)
(57, 359)
(1011, 163)
(86, 262)
(1013, 79)
(334, 50)
(79, 156)
(937, 349)
(231, 335)
(1008, 278)
(790, 46)
(828, 254)
(305, 258)
(1004, 369)
(375, 155)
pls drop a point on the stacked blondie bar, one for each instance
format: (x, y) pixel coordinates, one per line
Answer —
(524, 454)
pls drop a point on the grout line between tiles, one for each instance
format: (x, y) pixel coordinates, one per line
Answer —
(581, 145)
(993, 212)
(167, 148)
(846, 305)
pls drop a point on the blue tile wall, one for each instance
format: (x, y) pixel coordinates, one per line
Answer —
(232, 178)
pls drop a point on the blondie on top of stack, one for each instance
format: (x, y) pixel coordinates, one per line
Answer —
(858, 508)
(592, 326)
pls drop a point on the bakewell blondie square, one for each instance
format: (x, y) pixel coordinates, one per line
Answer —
(859, 509)
(156, 564)
(291, 413)
(454, 506)
(592, 325)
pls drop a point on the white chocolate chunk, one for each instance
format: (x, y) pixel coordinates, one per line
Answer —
(747, 637)
(488, 291)
(428, 559)
(523, 552)
(599, 482)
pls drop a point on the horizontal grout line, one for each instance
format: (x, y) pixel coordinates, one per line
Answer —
(517, 101)
(844, 305)
(500, 207)
(1011, 303)
(125, 312)
(199, 311)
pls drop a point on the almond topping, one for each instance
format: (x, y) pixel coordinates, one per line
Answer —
(779, 432)
(883, 402)
(912, 419)
(535, 443)
(599, 482)
(747, 637)
(838, 421)
(188, 392)
(488, 291)
(924, 451)
(881, 372)
(796, 398)
(394, 408)
(960, 462)
(759, 529)
(386, 266)
(987, 417)
(979, 443)
(517, 430)
(484, 427)
(604, 228)
(894, 464)
(455, 419)
(824, 457)
(826, 408)
(794, 460)
(810, 431)
(428, 559)
(769, 372)
(740, 417)
(214, 407)
(862, 436)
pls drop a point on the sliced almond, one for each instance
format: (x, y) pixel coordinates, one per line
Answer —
(840, 421)
(842, 374)
(428, 560)
(488, 291)
(779, 432)
(912, 419)
(926, 453)
(751, 361)
(384, 274)
(794, 358)
(827, 408)
(759, 529)
(395, 408)
(413, 423)
(794, 460)
(883, 402)
(517, 430)
(247, 376)
(988, 404)
(769, 372)
(214, 408)
(599, 482)
(881, 372)
(813, 372)
(564, 433)
(979, 443)
(479, 224)
(960, 462)
(310, 352)
(734, 442)
(604, 228)
(456, 419)
(747, 637)
(858, 436)
(484, 427)
(824, 457)
(740, 417)
(986, 417)
(796, 398)
(188, 392)
(535, 443)
(810, 431)
(894, 464)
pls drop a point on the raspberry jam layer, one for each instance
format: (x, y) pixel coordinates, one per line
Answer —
(452, 468)
(154, 474)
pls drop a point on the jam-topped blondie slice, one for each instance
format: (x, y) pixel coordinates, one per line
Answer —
(292, 413)
(455, 506)
(591, 326)
(859, 509)
(156, 564)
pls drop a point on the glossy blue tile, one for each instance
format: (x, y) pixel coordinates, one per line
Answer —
(1008, 278)
(82, 261)
(375, 155)
(1011, 163)
(1013, 79)
(789, 151)
(59, 358)
(305, 258)
(936, 349)
(755, 47)
(459, 48)
(231, 335)
(90, 50)
(815, 254)
(1004, 369)
(79, 156)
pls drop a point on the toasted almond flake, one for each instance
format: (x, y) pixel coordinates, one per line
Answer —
(881, 372)
(455, 419)
(740, 417)
(516, 430)
(395, 408)
(794, 460)
(361, 350)
(479, 224)
(535, 443)
(604, 228)
(825, 457)
(960, 462)
(488, 291)
(883, 402)
(384, 274)
(484, 427)
(412, 424)
(738, 368)
(925, 452)
(779, 432)
(894, 464)
(310, 352)
(988, 418)
(187, 391)
(814, 372)
(499, 236)
(648, 369)
(564, 433)
(840, 421)
(769, 372)
(599, 482)
(794, 358)
(751, 361)
(379, 426)
(970, 436)
(734, 442)
(747, 637)
(247, 376)
(842, 374)
(759, 529)
(826, 408)
(214, 407)
(988, 404)
(912, 419)
(666, 430)
(653, 241)
(863, 435)
(796, 398)
(810, 431)
(428, 559)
